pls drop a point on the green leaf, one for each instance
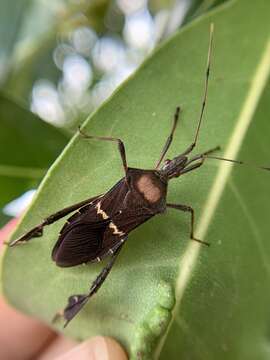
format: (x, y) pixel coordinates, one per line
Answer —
(215, 289)
(199, 7)
(28, 146)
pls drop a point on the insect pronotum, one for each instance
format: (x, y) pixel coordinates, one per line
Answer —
(100, 226)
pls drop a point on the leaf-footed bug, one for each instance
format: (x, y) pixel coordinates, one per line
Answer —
(100, 226)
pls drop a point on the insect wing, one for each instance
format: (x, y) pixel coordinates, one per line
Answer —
(114, 199)
(81, 238)
(131, 219)
(96, 230)
(119, 228)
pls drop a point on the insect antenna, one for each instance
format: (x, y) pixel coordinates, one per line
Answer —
(198, 160)
(170, 137)
(209, 56)
(176, 115)
(239, 162)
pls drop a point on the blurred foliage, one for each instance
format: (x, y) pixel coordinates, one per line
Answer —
(28, 146)
(46, 25)
(31, 34)
(41, 26)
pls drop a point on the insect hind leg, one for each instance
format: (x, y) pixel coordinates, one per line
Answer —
(37, 231)
(76, 302)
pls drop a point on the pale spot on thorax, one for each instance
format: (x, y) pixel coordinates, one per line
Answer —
(150, 191)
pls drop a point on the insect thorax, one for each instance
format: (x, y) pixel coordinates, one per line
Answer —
(149, 185)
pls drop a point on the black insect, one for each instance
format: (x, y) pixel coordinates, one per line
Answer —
(101, 225)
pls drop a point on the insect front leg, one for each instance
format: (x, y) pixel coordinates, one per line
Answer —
(76, 302)
(121, 146)
(187, 208)
(37, 231)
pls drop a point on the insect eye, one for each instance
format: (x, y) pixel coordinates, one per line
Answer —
(166, 163)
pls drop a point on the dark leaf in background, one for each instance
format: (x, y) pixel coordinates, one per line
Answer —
(28, 146)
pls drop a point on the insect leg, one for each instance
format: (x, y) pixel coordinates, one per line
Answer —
(170, 137)
(37, 231)
(203, 155)
(192, 167)
(189, 209)
(121, 146)
(201, 158)
(76, 302)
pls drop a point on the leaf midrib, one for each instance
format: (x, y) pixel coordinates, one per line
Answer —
(188, 260)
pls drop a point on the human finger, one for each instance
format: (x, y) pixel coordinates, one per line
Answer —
(21, 337)
(97, 348)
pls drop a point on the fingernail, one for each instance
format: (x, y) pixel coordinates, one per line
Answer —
(97, 348)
